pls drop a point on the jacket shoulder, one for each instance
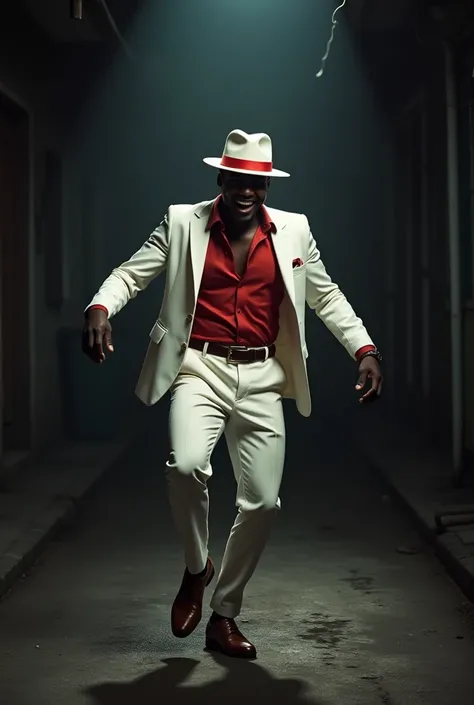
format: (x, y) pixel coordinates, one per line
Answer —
(186, 210)
(295, 220)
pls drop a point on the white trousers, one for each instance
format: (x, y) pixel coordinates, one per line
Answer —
(209, 397)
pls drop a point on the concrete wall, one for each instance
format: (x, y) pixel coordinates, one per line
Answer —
(422, 324)
(26, 69)
(466, 124)
(417, 266)
(469, 377)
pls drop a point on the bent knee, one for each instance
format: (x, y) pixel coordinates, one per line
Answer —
(187, 465)
(265, 504)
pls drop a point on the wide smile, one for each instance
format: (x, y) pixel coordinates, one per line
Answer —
(244, 205)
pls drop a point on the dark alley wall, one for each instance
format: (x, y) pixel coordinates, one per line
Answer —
(201, 70)
(28, 81)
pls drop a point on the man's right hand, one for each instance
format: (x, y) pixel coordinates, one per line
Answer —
(97, 335)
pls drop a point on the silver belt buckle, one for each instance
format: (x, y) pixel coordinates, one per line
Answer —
(243, 347)
(229, 359)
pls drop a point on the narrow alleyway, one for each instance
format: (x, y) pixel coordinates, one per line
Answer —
(347, 608)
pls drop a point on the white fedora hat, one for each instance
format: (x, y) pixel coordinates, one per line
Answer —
(246, 154)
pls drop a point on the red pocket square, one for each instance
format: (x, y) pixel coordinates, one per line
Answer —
(298, 262)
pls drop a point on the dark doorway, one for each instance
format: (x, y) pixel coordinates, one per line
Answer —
(15, 334)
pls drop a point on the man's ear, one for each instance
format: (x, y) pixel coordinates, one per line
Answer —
(219, 179)
(269, 181)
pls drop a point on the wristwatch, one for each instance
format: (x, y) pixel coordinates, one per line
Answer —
(372, 353)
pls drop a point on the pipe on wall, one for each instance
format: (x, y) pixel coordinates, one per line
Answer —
(457, 410)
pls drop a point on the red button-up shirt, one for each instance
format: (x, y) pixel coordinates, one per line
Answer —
(236, 310)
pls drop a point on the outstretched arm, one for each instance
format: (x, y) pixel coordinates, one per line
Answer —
(134, 275)
(331, 306)
(121, 285)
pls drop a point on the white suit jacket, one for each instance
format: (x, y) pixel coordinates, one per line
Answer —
(179, 246)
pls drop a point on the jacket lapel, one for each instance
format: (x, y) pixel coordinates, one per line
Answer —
(282, 246)
(198, 242)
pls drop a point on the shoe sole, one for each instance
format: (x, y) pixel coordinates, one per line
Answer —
(183, 635)
(212, 645)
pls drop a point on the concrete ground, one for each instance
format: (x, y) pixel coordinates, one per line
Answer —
(348, 607)
(37, 498)
(420, 477)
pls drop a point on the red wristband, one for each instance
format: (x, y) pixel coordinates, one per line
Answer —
(365, 349)
(99, 306)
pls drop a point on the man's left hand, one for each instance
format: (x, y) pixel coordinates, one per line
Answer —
(369, 373)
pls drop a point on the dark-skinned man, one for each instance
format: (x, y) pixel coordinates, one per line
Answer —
(229, 342)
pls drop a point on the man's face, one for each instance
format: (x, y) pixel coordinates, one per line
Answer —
(243, 194)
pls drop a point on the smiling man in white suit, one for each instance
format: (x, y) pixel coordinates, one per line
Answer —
(229, 342)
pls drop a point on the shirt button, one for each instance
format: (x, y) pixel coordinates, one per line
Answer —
(189, 317)
(183, 347)
(239, 310)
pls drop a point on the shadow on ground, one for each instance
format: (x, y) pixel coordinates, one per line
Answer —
(243, 682)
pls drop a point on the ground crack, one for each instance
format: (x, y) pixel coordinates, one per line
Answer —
(383, 694)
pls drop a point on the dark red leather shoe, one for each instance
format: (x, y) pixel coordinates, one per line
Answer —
(186, 612)
(224, 636)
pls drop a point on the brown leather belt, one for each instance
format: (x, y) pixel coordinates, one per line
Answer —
(234, 353)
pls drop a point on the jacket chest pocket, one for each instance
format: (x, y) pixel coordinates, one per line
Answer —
(299, 281)
(158, 332)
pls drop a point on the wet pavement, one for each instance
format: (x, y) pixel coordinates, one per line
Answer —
(347, 607)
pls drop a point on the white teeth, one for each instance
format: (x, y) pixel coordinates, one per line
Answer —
(245, 204)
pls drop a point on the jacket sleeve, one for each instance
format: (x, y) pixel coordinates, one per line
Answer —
(134, 275)
(329, 303)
